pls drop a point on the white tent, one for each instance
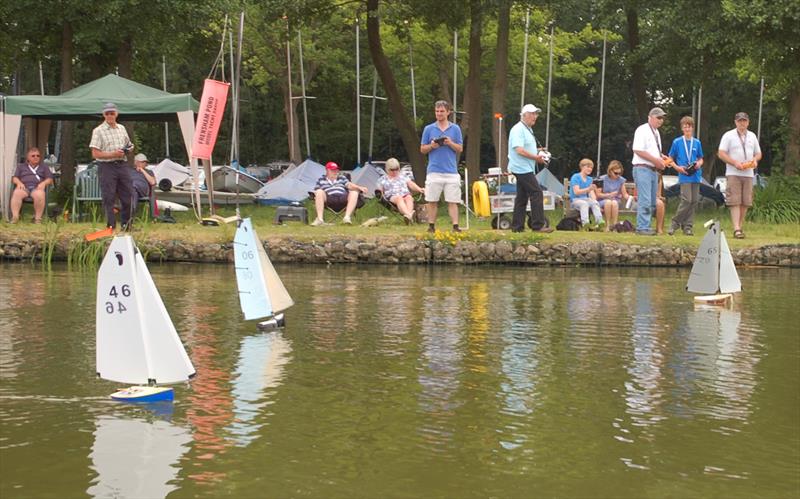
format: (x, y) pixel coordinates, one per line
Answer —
(293, 185)
(368, 176)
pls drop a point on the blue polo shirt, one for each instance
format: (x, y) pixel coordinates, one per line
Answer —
(678, 153)
(443, 158)
(521, 136)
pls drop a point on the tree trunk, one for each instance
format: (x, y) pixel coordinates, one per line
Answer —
(472, 92)
(293, 131)
(500, 81)
(67, 140)
(637, 68)
(403, 122)
(791, 163)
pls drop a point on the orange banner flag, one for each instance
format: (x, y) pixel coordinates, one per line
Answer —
(212, 107)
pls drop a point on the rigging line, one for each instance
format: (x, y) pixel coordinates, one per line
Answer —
(221, 54)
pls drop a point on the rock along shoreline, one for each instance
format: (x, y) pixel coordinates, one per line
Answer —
(420, 251)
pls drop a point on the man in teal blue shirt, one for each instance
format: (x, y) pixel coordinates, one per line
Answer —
(523, 154)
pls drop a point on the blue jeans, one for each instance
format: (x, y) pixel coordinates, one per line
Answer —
(647, 188)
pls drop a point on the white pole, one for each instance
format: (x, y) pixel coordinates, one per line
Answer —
(233, 98)
(291, 99)
(699, 109)
(358, 97)
(455, 75)
(372, 115)
(41, 89)
(303, 89)
(602, 96)
(413, 87)
(164, 80)
(760, 105)
(466, 194)
(239, 86)
(525, 58)
(549, 92)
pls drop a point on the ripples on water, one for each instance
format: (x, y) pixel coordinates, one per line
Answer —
(413, 381)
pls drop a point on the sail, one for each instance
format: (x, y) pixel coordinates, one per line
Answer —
(261, 292)
(728, 277)
(704, 277)
(136, 340)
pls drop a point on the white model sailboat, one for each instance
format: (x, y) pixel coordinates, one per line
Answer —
(261, 292)
(136, 340)
(714, 272)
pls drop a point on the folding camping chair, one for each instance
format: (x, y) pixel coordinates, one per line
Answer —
(337, 215)
(391, 208)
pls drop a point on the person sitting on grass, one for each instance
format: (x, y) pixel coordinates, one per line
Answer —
(336, 192)
(396, 188)
(613, 193)
(582, 194)
(31, 179)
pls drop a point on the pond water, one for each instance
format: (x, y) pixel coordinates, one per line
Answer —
(414, 382)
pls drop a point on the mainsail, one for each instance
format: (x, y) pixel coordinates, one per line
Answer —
(136, 340)
(261, 292)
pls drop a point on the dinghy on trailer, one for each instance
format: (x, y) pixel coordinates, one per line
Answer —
(261, 292)
(136, 340)
(714, 272)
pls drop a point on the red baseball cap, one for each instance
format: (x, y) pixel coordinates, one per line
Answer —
(330, 165)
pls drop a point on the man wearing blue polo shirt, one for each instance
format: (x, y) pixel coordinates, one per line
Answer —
(523, 154)
(442, 142)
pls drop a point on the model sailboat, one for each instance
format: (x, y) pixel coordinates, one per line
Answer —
(261, 292)
(136, 340)
(713, 270)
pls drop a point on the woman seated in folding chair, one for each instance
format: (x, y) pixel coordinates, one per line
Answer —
(396, 188)
(336, 192)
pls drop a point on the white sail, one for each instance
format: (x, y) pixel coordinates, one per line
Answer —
(136, 458)
(261, 291)
(136, 340)
(704, 277)
(728, 277)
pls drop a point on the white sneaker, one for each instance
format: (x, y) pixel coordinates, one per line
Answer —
(346, 220)
(318, 222)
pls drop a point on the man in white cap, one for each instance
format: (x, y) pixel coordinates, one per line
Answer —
(109, 144)
(141, 177)
(648, 161)
(523, 154)
(741, 153)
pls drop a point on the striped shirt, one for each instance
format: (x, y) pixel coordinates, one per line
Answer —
(108, 139)
(335, 187)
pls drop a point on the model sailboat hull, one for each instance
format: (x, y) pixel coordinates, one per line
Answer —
(136, 340)
(261, 292)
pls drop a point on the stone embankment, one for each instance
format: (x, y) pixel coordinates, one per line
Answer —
(416, 251)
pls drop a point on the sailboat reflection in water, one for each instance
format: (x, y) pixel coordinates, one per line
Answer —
(136, 457)
(262, 294)
(136, 340)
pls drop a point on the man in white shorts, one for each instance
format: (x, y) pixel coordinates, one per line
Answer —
(442, 142)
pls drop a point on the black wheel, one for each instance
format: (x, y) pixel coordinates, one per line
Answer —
(501, 222)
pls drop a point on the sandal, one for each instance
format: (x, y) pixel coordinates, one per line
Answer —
(738, 234)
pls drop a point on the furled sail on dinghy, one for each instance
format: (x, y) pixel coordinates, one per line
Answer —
(136, 340)
(261, 292)
(713, 270)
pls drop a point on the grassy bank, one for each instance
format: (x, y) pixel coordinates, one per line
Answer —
(187, 229)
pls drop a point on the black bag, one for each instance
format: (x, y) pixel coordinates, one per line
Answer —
(571, 221)
(624, 226)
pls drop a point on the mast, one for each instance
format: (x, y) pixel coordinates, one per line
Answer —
(549, 92)
(413, 87)
(289, 81)
(760, 106)
(455, 74)
(164, 81)
(602, 95)
(303, 90)
(525, 59)
(358, 95)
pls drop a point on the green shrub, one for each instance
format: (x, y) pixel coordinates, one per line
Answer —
(778, 202)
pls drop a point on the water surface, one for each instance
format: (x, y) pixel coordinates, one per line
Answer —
(414, 381)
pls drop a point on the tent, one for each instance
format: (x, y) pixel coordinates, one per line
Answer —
(549, 182)
(136, 102)
(368, 176)
(293, 185)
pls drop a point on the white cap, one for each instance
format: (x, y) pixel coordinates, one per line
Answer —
(140, 157)
(530, 108)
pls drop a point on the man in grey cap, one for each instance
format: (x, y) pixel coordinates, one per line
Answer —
(648, 161)
(523, 154)
(142, 179)
(109, 144)
(739, 149)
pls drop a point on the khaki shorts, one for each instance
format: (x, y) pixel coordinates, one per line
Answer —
(738, 190)
(449, 183)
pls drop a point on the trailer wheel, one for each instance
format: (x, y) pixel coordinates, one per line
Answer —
(501, 222)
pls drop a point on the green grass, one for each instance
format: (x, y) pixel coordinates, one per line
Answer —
(187, 229)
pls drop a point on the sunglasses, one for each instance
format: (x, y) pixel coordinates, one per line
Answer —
(35, 155)
(394, 169)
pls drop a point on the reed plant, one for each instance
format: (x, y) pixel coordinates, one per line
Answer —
(778, 202)
(86, 255)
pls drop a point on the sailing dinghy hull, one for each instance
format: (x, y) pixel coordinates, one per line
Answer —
(144, 394)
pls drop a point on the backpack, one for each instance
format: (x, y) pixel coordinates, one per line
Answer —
(571, 221)
(624, 226)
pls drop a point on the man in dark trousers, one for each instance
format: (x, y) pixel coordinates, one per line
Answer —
(110, 143)
(523, 154)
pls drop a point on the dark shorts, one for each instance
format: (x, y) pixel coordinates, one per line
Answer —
(338, 202)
